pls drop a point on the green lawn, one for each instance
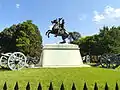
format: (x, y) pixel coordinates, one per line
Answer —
(58, 75)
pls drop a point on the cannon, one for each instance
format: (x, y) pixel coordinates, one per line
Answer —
(110, 60)
(13, 61)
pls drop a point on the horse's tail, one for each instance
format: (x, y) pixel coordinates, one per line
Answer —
(74, 35)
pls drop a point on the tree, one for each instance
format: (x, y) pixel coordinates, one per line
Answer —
(86, 45)
(7, 40)
(109, 39)
(24, 37)
(106, 41)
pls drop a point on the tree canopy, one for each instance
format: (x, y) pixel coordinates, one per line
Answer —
(106, 41)
(24, 37)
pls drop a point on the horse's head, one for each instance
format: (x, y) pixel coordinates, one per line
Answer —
(55, 26)
(54, 21)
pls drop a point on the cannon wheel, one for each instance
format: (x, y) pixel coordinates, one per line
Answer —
(16, 61)
(4, 60)
(109, 61)
(104, 61)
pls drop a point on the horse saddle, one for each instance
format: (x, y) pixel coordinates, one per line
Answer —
(61, 31)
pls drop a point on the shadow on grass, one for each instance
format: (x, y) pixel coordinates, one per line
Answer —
(100, 66)
(4, 69)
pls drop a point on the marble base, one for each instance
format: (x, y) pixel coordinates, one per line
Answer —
(61, 55)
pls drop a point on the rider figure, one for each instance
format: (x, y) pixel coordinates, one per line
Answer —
(61, 25)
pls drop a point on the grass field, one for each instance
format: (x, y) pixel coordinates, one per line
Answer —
(58, 75)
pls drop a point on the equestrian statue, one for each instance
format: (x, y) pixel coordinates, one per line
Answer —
(58, 29)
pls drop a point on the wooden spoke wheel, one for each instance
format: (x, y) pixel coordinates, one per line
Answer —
(4, 60)
(109, 61)
(16, 61)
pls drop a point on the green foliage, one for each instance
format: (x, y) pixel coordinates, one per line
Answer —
(87, 45)
(24, 37)
(8, 40)
(107, 41)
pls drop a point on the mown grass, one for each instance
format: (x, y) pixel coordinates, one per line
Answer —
(58, 75)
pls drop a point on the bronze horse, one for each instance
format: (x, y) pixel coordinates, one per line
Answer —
(58, 30)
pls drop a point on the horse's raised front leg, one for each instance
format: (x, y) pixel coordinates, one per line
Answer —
(47, 33)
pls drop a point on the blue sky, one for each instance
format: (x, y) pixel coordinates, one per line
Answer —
(84, 16)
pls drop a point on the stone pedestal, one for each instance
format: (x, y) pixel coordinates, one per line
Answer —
(61, 55)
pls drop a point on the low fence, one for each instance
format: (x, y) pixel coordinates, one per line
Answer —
(73, 87)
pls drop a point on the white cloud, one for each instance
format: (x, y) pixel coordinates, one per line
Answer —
(98, 17)
(17, 5)
(82, 17)
(109, 15)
